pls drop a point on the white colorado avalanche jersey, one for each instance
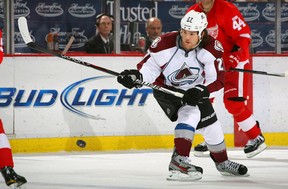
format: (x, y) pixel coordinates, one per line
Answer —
(167, 64)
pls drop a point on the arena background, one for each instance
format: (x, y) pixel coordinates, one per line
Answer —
(47, 104)
(77, 18)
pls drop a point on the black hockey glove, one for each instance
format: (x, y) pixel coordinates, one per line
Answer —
(128, 77)
(195, 95)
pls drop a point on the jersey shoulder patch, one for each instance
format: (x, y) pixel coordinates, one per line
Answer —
(163, 42)
(218, 46)
(214, 47)
(155, 42)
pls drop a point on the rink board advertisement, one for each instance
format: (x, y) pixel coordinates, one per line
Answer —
(47, 97)
(50, 97)
(77, 18)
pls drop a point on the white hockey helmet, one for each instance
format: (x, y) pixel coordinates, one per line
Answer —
(194, 21)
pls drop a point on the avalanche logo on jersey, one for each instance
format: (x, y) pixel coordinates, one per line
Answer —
(185, 75)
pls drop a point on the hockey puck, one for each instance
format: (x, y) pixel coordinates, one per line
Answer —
(81, 143)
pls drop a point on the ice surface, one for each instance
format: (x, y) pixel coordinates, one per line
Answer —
(145, 170)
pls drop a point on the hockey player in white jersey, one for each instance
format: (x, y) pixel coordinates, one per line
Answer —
(187, 61)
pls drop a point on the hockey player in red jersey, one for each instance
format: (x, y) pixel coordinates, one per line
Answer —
(226, 24)
(6, 160)
(187, 61)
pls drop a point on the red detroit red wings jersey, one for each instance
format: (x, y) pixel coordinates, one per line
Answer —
(226, 24)
(166, 63)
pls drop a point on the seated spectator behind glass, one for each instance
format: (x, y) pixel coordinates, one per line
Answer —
(153, 30)
(101, 42)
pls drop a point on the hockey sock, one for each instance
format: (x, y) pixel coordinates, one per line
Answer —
(254, 132)
(248, 124)
(5, 149)
(219, 157)
(182, 146)
(218, 152)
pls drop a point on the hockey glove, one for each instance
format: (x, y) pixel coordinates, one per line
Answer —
(195, 95)
(128, 77)
(233, 61)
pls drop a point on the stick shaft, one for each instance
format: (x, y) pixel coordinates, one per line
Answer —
(258, 72)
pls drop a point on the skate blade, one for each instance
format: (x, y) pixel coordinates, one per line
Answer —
(260, 149)
(233, 175)
(201, 154)
(15, 186)
(178, 176)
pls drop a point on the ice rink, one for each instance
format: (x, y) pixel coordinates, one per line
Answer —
(144, 170)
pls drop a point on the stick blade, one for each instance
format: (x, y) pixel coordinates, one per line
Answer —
(23, 28)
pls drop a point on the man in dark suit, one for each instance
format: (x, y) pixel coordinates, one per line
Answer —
(153, 28)
(101, 42)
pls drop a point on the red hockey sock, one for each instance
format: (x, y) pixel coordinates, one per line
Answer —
(6, 158)
(182, 146)
(5, 149)
(254, 132)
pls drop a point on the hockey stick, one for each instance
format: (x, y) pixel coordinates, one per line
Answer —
(285, 74)
(23, 27)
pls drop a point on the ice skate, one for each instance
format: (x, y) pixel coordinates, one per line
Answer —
(255, 146)
(12, 179)
(201, 150)
(181, 169)
(230, 168)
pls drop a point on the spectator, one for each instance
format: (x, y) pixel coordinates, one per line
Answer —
(101, 42)
(153, 28)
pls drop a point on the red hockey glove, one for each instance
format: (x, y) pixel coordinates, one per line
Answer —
(233, 61)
